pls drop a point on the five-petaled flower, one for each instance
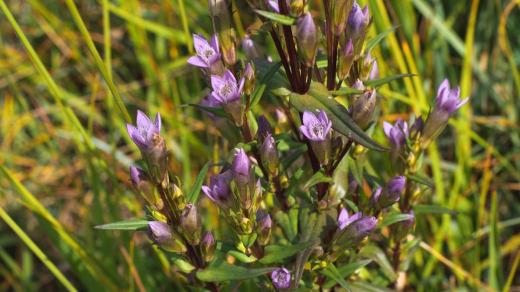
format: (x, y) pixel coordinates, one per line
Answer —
(226, 89)
(345, 220)
(207, 53)
(218, 190)
(146, 131)
(396, 133)
(316, 127)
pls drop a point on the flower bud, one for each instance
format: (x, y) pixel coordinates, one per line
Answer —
(218, 190)
(241, 168)
(281, 278)
(341, 9)
(447, 103)
(207, 246)
(191, 224)
(390, 194)
(264, 225)
(219, 11)
(161, 234)
(355, 232)
(417, 128)
(358, 21)
(269, 155)
(246, 226)
(249, 48)
(363, 108)
(249, 77)
(346, 59)
(307, 38)
(144, 187)
(264, 128)
(369, 69)
(345, 220)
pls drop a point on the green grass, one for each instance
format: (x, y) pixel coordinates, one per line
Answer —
(72, 73)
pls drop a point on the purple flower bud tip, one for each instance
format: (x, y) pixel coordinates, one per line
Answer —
(396, 186)
(207, 53)
(307, 37)
(225, 88)
(376, 194)
(143, 133)
(448, 99)
(249, 47)
(264, 221)
(316, 127)
(366, 225)
(264, 128)
(241, 166)
(281, 278)
(160, 232)
(208, 239)
(273, 4)
(218, 190)
(249, 72)
(374, 72)
(345, 220)
(137, 175)
(358, 18)
(349, 48)
(397, 133)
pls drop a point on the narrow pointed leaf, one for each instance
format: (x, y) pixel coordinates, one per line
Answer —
(194, 193)
(132, 224)
(383, 81)
(279, 18)
(278, 253)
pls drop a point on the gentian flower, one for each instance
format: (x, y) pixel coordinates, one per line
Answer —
(144, 134)
(208, 54)
(392, 192)
(316, 127)
(447, 102)
(345, 220)
(241, 168)
(281, 278)
(264, 225)
(226, 89)
(358, 21)
(218, 190)
(307, 38)
(354, 232)
(273, 4)
(397, 133)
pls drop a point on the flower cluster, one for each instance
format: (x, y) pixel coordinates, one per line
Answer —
(279, 191)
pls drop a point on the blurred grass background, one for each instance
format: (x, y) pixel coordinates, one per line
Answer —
(73, 73)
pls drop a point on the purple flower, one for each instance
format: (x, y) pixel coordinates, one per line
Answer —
(225, 88)
(144, 134)
(264, 128)
(241, 167)
(391, 193)
(374, 72)
(356, 231)
(397, 133)
(137, 175)
(376, 194)
(218, 190)
(264, 220)
(160, 232)
(316, 127)
(358, 20)
(207, 246)
(207, 53)
(345, 220)
(448, 99)
(307, 38)
(346, 59)
(273, 4)
(281, 278)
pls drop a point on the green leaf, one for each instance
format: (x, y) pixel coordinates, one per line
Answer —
(263, 84)
(226, 272)
(317, 178)
(383, 81)
(331, 272)
(194, 193)
(183, 265)
(242, 257)
(375, 253)
(393, 218)
(318, 98)
(282, 219)
(279, 18)
(278, 253)
(132, 224)
(347, 270)
(432, 209)
(422, 180)
(373, 42)
(213, 110)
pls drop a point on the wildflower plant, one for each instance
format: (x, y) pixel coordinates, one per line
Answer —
(303, 114)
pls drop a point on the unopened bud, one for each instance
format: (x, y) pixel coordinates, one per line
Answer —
(191, 224)
(207, 246)
(390, 194)
(264, 128)
(307, 37)
(249, 77)
(143, 186)
(161, 234)
(356, 231)
(346, 59)
(264, 225)
(249, 47)
(269, 155)
(241, 168)
(363, 108)
(341, 9)
(358, 21)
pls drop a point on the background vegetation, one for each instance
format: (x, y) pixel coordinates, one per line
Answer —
(73, 73)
